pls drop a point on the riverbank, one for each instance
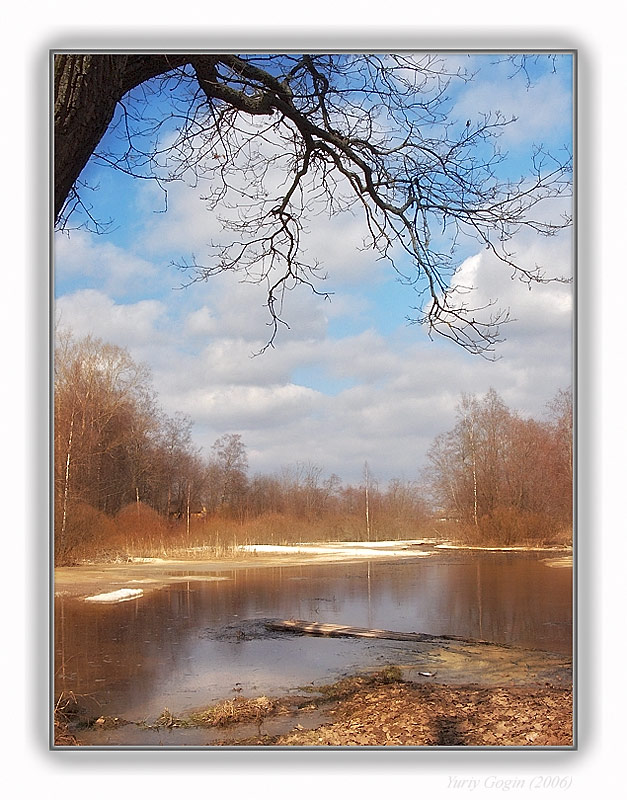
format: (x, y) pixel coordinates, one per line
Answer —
(435, 692)
(377, 710)
(413, 715)
(155, 573)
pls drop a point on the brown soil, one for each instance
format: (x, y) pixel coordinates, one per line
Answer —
(406, 714)
(443, 716)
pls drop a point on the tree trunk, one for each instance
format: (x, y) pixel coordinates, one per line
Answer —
(87, 88)
(188, 510)
(79, 121)
(367, 483)
(66, 482)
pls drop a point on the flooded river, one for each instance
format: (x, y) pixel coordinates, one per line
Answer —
(188, 644)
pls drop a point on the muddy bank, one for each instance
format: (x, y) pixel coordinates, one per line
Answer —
(438, 693)
(379, 710)
(411, 715)
(155, 573)
(443, 659)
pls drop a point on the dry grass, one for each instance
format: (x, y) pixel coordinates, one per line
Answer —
(139, 532)
(378, 709)
(239, 709)
(347, 687)
(227, 712)
(507, 528)
(65, 710)
(382, 709)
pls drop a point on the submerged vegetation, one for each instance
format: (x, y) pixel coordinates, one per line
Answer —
(130, 483)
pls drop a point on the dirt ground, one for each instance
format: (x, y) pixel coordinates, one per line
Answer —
(361, 712)
(408, 714)
(515, 704)
(384, 710)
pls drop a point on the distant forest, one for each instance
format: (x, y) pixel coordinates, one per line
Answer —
(129, 482)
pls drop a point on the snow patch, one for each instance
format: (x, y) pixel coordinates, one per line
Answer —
(361, 549)
(119, 596)
(139, 560)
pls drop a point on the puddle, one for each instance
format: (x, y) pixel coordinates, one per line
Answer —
(140, 735)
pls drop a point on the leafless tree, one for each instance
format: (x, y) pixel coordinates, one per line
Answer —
(277, 139)
(112, 445)
(494, 464)
(228, 472)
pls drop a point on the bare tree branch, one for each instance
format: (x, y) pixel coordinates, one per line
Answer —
(277, 139)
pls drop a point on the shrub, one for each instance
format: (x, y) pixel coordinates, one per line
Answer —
(87, 532)
(140, 530)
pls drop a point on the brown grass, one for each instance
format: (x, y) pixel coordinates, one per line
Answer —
(239, 709)
(140, 532)
(227, 712)
(64, 711)
(507, 528)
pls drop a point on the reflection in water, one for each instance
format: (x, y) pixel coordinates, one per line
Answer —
(134, 658)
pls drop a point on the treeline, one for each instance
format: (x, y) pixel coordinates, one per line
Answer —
(128, 480)
(497, 478)
(113, 446)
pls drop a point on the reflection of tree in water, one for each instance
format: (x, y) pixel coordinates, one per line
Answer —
(511, 599)
(122, 649)
(508, 598)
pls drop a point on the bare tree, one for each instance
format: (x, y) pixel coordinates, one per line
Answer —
(112, 445)
(466, 464)
(277, 139)
(367, 475)
(103, 408)
(229, 472)
(495, 465)
(562, 434)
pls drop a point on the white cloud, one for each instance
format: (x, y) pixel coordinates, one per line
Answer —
(539, 311)
(136, 326)
(402, 390)
(369, 395)
(84, 255)
(235, 407)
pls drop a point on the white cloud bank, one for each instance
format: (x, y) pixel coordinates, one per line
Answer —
(396, 392)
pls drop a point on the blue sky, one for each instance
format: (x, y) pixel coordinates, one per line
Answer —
(350, 380)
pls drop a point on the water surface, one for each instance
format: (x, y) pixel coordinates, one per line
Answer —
(167, 648)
